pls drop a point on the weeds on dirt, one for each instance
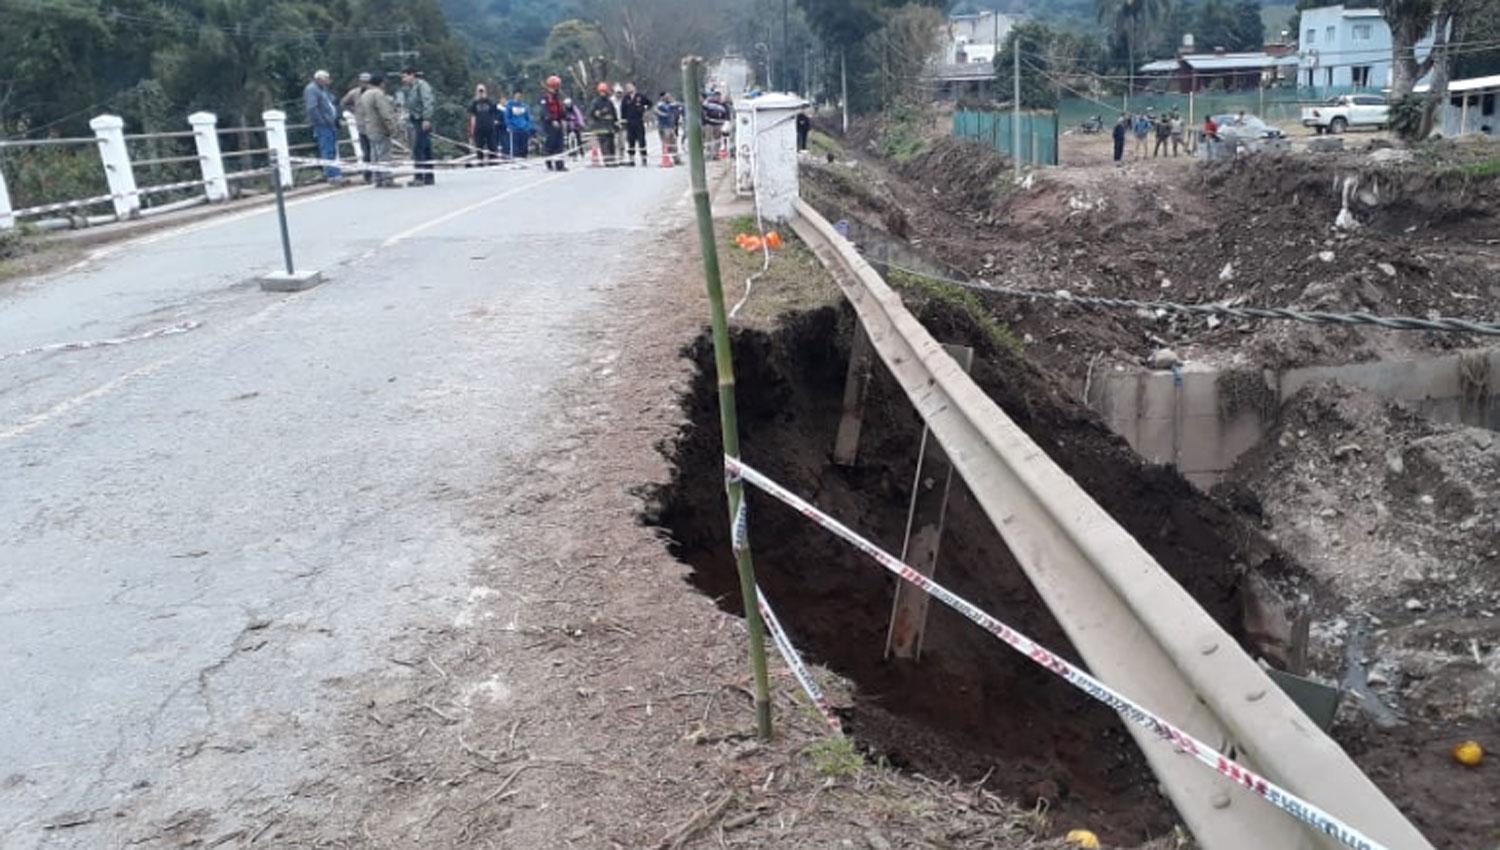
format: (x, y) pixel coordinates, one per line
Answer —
(901, 132)
(13, 243)
(836, 756)
(929, 289)
(824, 145)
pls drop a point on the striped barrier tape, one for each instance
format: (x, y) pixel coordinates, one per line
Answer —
(794, 662)
(1127, 708)
(739, 536)
(100, 199)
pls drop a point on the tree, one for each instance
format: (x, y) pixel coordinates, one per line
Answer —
(1411, 21)
(1130, 20)
(1052, 61)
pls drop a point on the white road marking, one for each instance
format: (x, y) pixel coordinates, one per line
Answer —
(462, 211)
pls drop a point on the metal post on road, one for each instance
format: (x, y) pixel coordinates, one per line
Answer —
(692, 81)
(288, 280)
(286, 239)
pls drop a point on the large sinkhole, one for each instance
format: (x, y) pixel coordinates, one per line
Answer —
(970, 707)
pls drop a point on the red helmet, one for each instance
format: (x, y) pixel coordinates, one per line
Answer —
(554, 82)
(604, 88)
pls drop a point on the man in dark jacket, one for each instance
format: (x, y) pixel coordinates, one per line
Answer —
(1119, 136)
(483, 119)
(804, 128)
(554, 116)
(603, 121)
(634, 107)
(421, 109)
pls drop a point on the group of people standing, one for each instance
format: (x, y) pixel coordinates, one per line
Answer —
(378, 119)
(1167, 129)
(498, 129)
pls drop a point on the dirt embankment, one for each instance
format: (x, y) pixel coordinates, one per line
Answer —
(970, 707)
(1392, 515)
(1256, 231)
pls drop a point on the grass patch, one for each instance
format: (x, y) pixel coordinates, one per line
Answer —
(835, 755)
(822, 145)
(960, 299)
(1483, 168)
(795, 282)
(901, 136)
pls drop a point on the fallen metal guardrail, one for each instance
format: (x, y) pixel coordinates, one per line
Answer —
(1134, 626)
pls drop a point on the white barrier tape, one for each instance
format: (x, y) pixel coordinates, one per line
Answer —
(100, 199)
(169, 330)
(794, 661)
(1132, 711)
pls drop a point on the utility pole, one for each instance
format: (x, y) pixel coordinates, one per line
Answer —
(786, 43)
(844, 88)
(1015, 120)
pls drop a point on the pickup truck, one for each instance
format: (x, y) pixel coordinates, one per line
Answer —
(1348, 110)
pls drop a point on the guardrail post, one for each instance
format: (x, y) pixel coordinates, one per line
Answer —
(281, 156)
(206, 136)
(117, 169)
(7, 221)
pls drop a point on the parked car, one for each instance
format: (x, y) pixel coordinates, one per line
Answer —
(1247, 133)
(1348, 110)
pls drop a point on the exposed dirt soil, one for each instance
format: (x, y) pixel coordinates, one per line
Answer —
(1402, 516)
(970, 707)
(1392, 514)
(1256, 231)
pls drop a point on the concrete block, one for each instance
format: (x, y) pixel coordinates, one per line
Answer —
(280, 281)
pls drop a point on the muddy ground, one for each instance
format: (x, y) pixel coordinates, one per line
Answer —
(1391, 518)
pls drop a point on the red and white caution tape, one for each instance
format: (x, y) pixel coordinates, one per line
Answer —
(100, 199)
(1132, 711)
(739, 538)
(794, 662)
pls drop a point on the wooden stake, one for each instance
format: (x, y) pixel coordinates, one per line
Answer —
(692, 82)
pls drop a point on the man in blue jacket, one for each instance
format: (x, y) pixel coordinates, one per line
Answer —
(324, 118)
(518, 126)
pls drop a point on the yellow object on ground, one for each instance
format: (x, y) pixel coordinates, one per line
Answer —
(1082, 838)
(1469, 753)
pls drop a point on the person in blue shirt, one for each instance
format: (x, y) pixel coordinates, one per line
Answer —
(668, 120)
(1142, 131)
(324, 118)
(518, 126)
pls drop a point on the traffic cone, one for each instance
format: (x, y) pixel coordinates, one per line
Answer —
(594, 158)
(666, 158)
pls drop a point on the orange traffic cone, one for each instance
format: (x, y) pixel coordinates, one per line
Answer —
(594, 158)
(666, 158)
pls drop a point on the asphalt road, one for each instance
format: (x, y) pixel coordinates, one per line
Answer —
(201, 531)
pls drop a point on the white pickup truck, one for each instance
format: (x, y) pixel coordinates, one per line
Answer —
(1348, 110)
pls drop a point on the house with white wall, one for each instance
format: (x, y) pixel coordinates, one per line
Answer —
(1341, 47)
(975, 37)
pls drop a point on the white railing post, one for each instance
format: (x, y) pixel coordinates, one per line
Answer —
(276, 140)
(117, 169)
(206, 136)
(7, 221)
(352, 124)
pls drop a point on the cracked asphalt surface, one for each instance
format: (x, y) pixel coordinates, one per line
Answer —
(202, 533)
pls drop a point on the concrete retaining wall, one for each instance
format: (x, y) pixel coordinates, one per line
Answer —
(1201, 420)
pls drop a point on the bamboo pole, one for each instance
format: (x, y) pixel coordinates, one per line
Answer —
(692, 90)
